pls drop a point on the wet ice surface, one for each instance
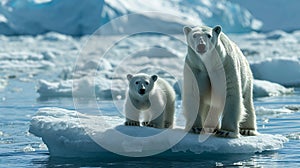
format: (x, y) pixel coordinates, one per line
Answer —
(51, 58)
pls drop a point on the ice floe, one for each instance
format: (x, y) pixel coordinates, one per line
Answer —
(69, 133)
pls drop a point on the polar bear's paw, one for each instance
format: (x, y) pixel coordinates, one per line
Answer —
(149, 124)
(226, 134)
(248, 132)
(145, 123)
(196, 130)
(168, 125)
(210, 130)
(132, 123)
(199, 130)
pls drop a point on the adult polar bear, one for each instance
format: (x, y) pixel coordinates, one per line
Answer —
(217, 85)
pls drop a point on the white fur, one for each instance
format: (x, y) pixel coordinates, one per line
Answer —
(217, 72)
(156, 106)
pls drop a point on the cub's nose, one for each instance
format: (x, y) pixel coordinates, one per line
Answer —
(142, 91)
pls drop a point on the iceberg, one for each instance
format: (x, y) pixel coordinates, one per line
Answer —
(68, 17)
(68, 133)
(285, 71)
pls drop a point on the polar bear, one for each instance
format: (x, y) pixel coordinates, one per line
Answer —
(210, 51)
(152, 98)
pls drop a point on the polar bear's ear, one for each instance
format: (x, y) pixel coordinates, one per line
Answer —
(154, 77)
(217, 29)
(129, 77)
(187, 29)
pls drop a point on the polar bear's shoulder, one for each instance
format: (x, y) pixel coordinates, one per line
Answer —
(165, 86)
(227, 43)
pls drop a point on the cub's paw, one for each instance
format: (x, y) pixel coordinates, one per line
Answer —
(145, 123)
(132, 123)
(148, 124)
(248, 132)
(226, 134)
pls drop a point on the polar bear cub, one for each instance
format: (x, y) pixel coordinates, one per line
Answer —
(207, 46)
(151, 99)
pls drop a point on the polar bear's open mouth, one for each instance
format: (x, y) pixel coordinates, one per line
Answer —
(201, 48)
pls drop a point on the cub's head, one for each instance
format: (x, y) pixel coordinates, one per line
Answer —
(202, 39)
(141, 84)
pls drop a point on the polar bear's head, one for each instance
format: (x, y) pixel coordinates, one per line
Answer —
(141, 84)
(202, 39)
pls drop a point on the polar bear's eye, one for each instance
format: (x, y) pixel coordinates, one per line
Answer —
(208, 35)
(137, 82)
(194, 35)
(147, 83)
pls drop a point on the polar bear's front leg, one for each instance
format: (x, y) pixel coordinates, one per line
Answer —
(198, 125)
(248, 126)
(157, 122)
(169, 114)
(190, 100)
(146, 118)
(231, 118)
(157, 109)
(234, 109)
(132, 114)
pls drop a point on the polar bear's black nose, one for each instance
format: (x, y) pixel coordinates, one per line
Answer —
(142, 91)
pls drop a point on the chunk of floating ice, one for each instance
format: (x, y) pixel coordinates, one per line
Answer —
(71, 134)
(267, 111)
(294, 136)
(28, 148)
(263, 88)
(3, 84)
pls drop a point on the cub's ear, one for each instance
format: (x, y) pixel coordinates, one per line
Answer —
(186, 30)
(154, 77)
(217, 29)
(129, 77)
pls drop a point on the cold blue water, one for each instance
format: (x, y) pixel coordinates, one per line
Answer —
(18, 148)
